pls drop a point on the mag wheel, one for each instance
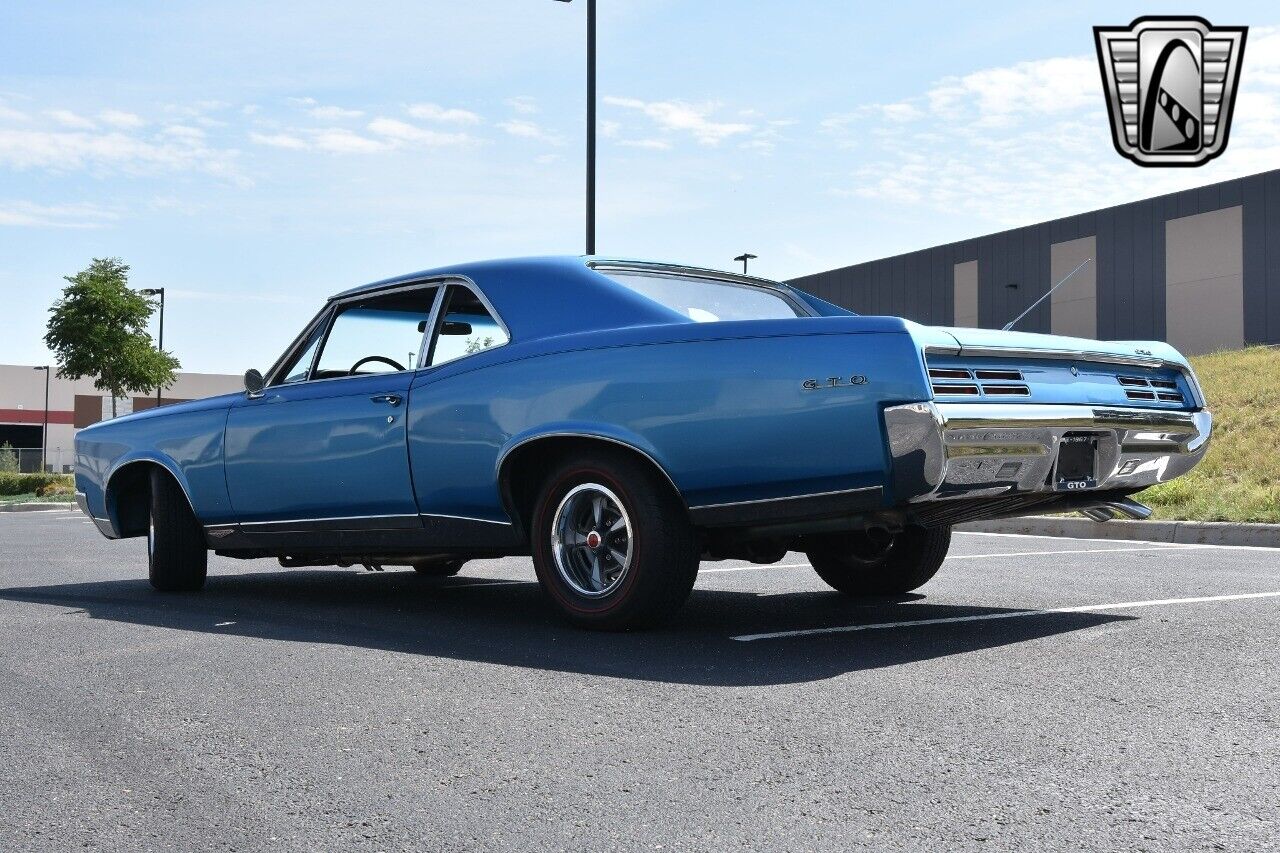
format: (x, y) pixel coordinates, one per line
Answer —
(177, 559)
(880, 563)
(613, 546)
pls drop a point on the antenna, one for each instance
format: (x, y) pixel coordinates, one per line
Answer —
(1014, 321)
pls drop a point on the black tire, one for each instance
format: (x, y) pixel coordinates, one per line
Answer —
(663, 549)
(439, 568)
(862, 564)
(177, 557)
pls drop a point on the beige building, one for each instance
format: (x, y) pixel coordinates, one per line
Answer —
(75, 405)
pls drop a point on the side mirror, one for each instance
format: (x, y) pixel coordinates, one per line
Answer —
(455, 327)
(253, 382)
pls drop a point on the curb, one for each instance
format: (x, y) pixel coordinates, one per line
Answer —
(1181, 532)
(35, 506)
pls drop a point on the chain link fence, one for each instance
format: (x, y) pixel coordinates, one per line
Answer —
(26, 460)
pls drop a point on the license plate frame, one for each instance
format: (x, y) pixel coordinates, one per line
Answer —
(1076, 466)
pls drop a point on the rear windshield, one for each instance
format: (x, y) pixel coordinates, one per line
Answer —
(706, 300)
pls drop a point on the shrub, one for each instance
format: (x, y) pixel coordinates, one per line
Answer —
(8, 459)
(25, 484)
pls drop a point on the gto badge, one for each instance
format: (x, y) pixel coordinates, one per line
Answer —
(834, 382)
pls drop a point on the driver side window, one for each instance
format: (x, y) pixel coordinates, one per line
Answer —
(380, 334)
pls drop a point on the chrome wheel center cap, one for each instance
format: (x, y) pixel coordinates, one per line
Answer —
(593, 540)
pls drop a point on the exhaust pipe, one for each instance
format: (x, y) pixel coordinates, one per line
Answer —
(1131, 508)
(1114, 509)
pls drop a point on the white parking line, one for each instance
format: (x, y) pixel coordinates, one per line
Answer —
(1077, 551)
(975, 557)
(1103, 539)
(1011, 614)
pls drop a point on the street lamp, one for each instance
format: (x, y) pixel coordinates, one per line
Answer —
(744, 257)
(44, 431)
(157, 291)
(591, 125)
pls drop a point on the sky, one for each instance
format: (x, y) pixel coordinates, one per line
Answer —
(255, 158)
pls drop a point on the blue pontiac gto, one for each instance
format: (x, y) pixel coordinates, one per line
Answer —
(622, 421)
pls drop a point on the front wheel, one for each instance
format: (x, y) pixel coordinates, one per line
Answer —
(612, 544)
(177, 558)
(878, 562)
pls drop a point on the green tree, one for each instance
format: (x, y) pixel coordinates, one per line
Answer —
(99, 329)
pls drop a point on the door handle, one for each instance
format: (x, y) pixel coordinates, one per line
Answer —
(389, 399)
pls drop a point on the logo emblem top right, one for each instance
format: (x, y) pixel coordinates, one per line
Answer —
(1171, 85)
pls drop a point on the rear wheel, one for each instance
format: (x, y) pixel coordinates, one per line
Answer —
(865, 563)
(612, 544)
(177, 558)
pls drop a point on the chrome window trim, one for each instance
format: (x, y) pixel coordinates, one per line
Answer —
(470, 285)
(676, 271)
(321, 317)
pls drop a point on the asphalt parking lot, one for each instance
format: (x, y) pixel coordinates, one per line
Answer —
(1062, 694)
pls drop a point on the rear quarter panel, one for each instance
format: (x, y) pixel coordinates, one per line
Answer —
(729, 419)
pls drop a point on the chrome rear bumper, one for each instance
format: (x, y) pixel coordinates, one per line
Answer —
(966, 450)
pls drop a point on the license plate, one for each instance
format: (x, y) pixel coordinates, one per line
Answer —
(1077, 467)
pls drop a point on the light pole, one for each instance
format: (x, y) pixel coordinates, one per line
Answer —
(591, 125)
(157, 291)
(744, 257)
(44, 431)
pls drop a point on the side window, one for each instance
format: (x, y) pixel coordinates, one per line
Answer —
(298, 369)
(466, 327)
(380, 334)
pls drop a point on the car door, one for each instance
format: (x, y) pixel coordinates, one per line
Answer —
(323, 446)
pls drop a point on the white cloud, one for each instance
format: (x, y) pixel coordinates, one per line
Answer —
(8, 113)
(67, 151)
(654, 144)
(119, 118)
(29, 214)
(523, 104)
(435, 112)
(339, 140)
(278, 140)
(183, 131)
(529, 130)
(679, 116)
(332, 113)
(67, 118)
(401, 131)
(1031, 141)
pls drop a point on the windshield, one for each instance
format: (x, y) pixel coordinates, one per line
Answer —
(706, 300)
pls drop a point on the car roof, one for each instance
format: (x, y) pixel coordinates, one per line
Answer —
(564, 294)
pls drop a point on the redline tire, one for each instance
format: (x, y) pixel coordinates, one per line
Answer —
(177, 557)
(662, 547)
(909, 560)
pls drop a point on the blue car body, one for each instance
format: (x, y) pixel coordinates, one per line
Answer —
(764, 427)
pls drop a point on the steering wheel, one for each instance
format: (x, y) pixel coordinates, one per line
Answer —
(368, 358)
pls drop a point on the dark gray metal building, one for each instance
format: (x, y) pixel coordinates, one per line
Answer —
(1198, 268)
